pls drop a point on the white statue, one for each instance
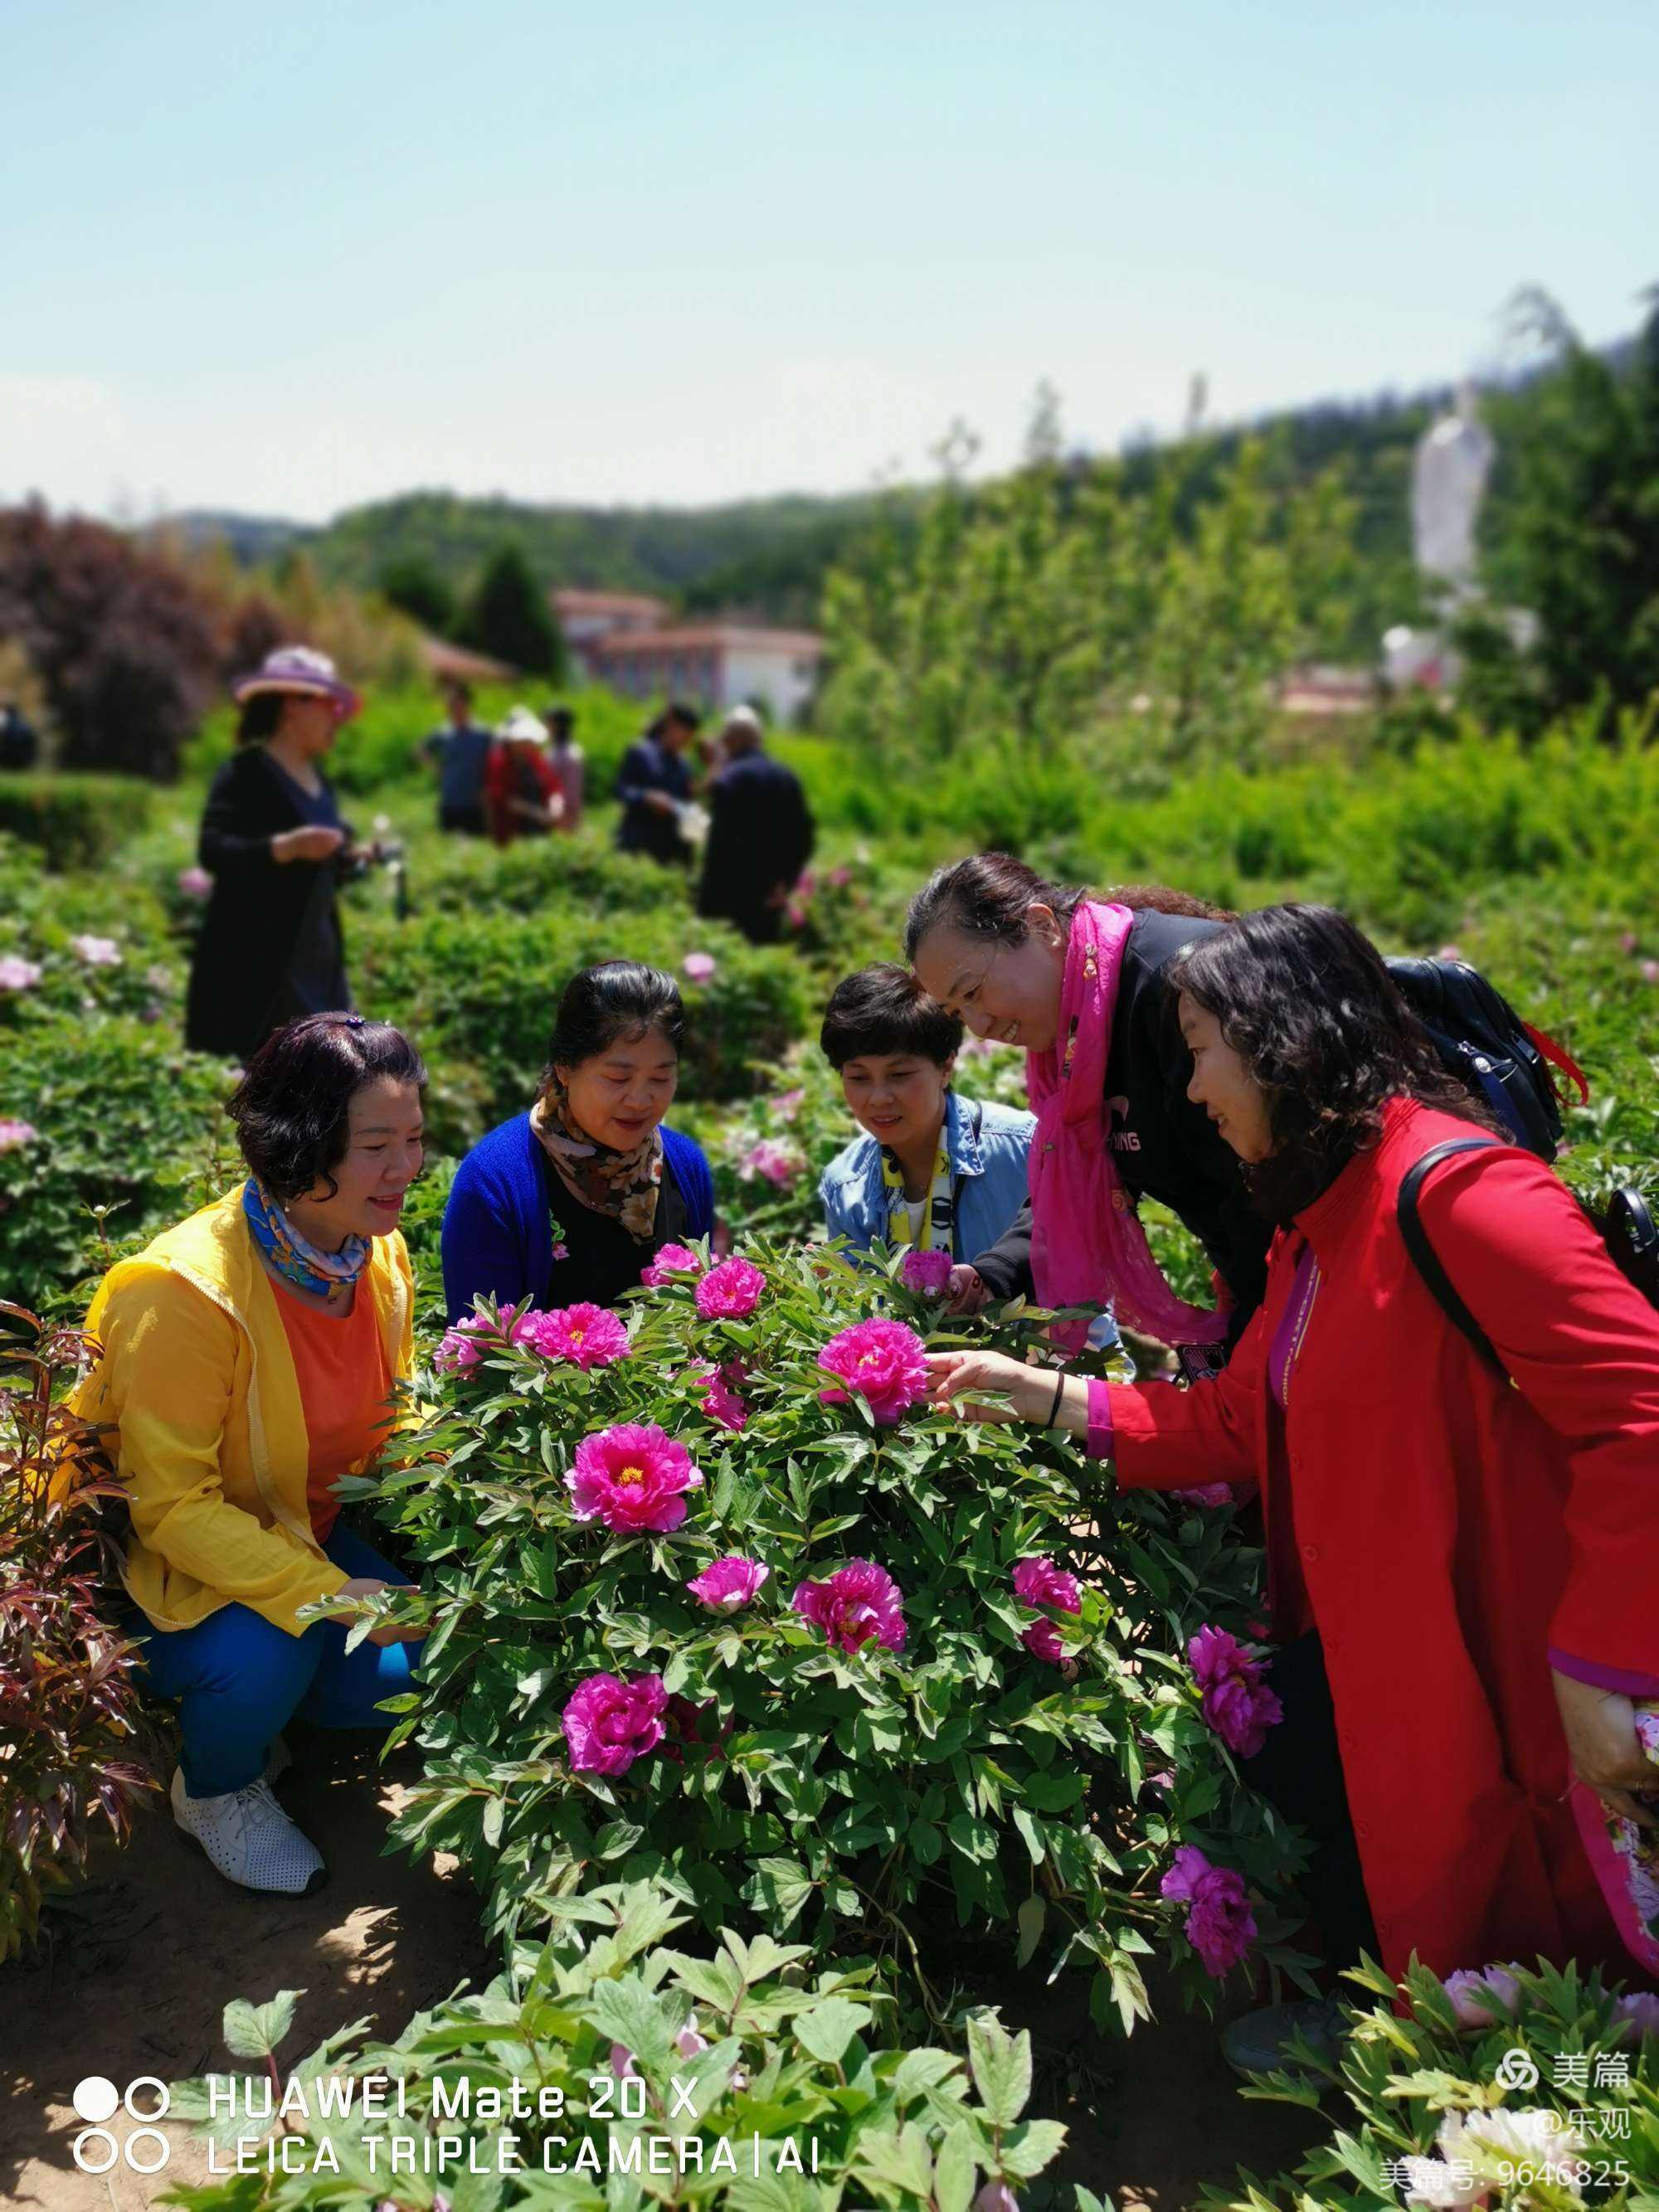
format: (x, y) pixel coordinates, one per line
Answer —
(1448, 480)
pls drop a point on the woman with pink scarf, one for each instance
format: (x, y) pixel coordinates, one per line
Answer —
(1080, 983)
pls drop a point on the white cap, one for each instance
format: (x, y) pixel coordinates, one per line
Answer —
(745, 718)
(521, 726)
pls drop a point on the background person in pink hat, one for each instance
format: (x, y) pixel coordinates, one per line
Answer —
(269, 950)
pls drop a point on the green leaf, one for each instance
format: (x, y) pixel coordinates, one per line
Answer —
(1001, 2067)
(954, 2171)
(830, 2026)
(922, 2069)
(1026, 2149)
(1032, 1915)
(255, 2031)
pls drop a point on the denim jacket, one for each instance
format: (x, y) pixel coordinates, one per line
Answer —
(988, 1145)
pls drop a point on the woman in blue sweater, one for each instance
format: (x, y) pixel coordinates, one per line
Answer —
(569, 1201)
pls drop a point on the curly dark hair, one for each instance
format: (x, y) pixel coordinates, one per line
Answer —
(988, 894)
(293, 1107)
(1305, 1000)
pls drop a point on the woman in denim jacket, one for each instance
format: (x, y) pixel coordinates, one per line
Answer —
(932, 1169)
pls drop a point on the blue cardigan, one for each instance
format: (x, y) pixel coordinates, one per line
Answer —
(497, 1234)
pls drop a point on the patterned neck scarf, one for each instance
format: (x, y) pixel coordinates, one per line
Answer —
(294, 1260)
(939, 1213)
(624, 1185)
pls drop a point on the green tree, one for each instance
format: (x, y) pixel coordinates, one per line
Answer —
(508, 616)
(1581, 548)
(1054, 611)
(413, 585)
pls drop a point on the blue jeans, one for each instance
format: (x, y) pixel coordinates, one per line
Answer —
(239, 1679)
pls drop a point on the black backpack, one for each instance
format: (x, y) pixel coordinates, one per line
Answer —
(1627, 1227)
(1503, 1061)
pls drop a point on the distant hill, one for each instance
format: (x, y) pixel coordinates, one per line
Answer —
(767, 558)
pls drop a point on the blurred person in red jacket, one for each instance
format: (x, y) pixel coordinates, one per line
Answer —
(522, 793)
(1463, 1552)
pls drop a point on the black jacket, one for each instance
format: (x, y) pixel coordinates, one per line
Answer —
(761, 836)
(1166, 1148)
(258, 908)
(648, 765)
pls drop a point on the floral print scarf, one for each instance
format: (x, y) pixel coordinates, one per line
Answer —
(624, 1185)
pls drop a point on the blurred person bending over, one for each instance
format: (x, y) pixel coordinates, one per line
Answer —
(522, 796)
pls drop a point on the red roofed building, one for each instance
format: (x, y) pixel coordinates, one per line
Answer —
(586, 617)
(719, 664)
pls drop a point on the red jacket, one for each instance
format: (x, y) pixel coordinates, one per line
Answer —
(1442, 1528)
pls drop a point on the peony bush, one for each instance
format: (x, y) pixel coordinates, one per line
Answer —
(734, 1609)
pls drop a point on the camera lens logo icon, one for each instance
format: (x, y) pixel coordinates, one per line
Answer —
(1515, 2069)
(97, 2099)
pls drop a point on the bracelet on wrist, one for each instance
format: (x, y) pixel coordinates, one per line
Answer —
(1059, 1392)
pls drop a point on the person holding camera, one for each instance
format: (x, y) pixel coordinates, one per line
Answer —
(270, 948)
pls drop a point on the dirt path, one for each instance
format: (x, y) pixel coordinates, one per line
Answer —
(138, 1987)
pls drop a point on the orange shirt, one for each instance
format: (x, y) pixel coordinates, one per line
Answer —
(345, 1385)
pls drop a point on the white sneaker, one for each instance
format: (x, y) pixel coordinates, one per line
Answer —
(250, 1839)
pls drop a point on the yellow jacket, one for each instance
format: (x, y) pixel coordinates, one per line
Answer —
(196, 1375)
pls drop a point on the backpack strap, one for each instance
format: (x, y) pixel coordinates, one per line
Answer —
(1423, 1257)
(1556, 1056)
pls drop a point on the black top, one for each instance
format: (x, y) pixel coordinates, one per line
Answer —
(761, 836)
(1165, 1147)
(270, 948)
(649, 765)
(605, 1260)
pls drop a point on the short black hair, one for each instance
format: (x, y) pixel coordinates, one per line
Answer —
(293, 1106)
(619, 998)
(261, 717)
(883, 1009)
(677, 710)
(560, 720)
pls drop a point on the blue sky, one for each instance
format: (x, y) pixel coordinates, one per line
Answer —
(649, 251)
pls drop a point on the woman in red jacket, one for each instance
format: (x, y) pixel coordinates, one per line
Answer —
(1463, 1566)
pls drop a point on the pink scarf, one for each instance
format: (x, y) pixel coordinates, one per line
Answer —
(1087, 1244)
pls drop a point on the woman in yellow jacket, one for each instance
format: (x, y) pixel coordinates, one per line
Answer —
(248, 1358)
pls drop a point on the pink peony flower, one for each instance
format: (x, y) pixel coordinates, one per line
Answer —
(560, 1251)
(729, 1291)
(926, 1273)
(730, 1583)
(885, 1362)
(621, 2062)
(673, 1259)
(1629, 941)
(796, 916)
(1449, 952)
(632, 1477)
(17, 973)
(700, 966)
(1205, 1494)
(787, 1104)
(1651, 971)
(1237, 1702)
(195, 883)
(13, 1135)
(1220, 1926)
(609, 1723)
(1040, 1583)
(1638, 2016)
(584, 1336)
(689, 2041)
(722, 1402)
(773, 1162)
(96, 951)
(996, 2196)
(458, 1352)
(838, 878)
(1483, 1999)
(859, 1600)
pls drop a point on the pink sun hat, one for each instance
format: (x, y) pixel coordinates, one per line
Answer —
(297, 668)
